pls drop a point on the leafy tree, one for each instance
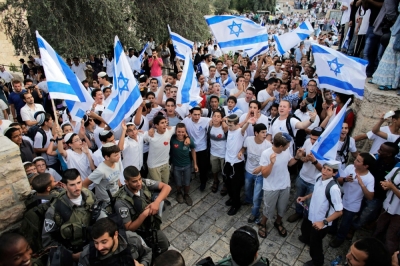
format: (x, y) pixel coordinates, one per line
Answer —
(221, 6)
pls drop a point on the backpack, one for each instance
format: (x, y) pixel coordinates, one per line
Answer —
(32, 224)
(299, 141)
(32, 133)
(328, 194)
(344, 151)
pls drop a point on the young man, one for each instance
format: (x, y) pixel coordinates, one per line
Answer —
(309, 172)
(16, 101)
(111, 246)
(358, 183)
(214, 106)
(135, 207)
(29, 109)
(346, 146)
(155, 64)
(240, 90)
(231, 107)
(254, 112)
(98, 97)
(254, 146)
(227, 84)
(16, 251)
(106, 175)
(267, 96)
(234, 166)
(197, 127)
(274, 164)
(131, 146)
(368, 252)
(103, 80)
(243, 103)
(283, 95)
(170, 112)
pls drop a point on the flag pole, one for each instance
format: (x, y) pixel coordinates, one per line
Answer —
(55, 112)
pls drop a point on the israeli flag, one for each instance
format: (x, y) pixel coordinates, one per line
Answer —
(137, 65)
(334, 28)
(126, 98)
(181, 45)
(339, 72)
(62, 82)
(238, 33)
(346, 41)
(227, 85)
(188, 89)
(325, 148)
(289, 40)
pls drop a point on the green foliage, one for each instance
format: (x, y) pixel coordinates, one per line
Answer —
(13, 68)
(221, 6)
(253, 5)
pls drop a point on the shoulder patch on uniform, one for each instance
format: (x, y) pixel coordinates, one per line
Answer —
(48, 225)
(123, 211)
(149, 182)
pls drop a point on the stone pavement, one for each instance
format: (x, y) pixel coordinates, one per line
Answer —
(204, 229)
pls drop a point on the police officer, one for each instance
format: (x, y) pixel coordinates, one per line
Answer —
(137, 209)
(111, 246)
(69, 216)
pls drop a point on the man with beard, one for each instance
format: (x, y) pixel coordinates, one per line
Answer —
(111, 246)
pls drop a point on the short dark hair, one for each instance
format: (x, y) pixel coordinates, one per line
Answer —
(368, 159)
(47, 117)
(271, 81)
(104, 138)
(65, 125)
(172, 74)
(170, 100)
(277, 61)
(247, 71)
(213, 97)
(218, 112)
(70, 174)
(170, 258)
(94, 92)
(7, 241)
(393, 147)
(345, 97)
(102, 226)
(396, 114)
(376, 250)
(276, 105)
(256, 102)
(218, 61)
(150, 93)
(107, 151)
(244, 245)
(27, 80)
(259, 127)
(154, 79)
(158, 119)
(233, 98)
(41, 182)
(195, 109)
(239, 77)
(252, 89)
(106, 88)
(131, 171)
(10, 132)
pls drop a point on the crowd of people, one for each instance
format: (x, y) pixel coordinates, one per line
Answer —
(98, 195)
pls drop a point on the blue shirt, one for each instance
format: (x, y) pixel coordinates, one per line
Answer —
(15, 99)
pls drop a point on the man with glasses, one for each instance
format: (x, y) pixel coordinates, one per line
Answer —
(29, 109)
(312, 93)
(226, 82)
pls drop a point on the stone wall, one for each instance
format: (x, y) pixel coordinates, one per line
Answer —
(14, 185)
(370, 109)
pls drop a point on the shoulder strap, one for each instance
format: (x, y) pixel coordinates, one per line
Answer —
(273, 120)
(328, 195)
(289, 126)
(63, 210)
(394, 176)
(344, 151)
(141, 124)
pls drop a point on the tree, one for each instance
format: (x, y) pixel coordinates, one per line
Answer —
(72, 27)
(221, 6)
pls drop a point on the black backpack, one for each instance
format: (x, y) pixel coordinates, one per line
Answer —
(298, 139)
(32, 133)
(328, 194)
(344, 151)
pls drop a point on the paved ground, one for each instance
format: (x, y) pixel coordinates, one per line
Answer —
(205, 230)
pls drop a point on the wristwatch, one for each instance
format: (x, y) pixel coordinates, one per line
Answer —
(53, 140)
(315, 162)
(325, 222)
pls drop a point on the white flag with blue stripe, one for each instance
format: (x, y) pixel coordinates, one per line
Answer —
(238, 33)
(126, 98)
(325, 148)
(188, 89)
(181, 45)
(346, 41)
(289, 40)
(62, 82)
(226, 85)
(137, 65)
(334, 28)
(339, 72)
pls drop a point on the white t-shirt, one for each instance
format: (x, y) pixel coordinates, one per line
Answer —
(279, 178)
(198, 131)
(233, 146)
(234, 91)
(54, 173)
(235, 110)
(218, 142)
(3, 106)
(262, 96)
(250, 129)
(4, 124)
(346, 13)
(243, 105)
(392, 202)
(353, 193)
(365, 22)
(309, 173)
(78, 161)
(79, 71)
(319, 203)
(37, 143)
(159, 147)
(280, 126)
(145, 127)
(352, 148)
(105, 177)
(109, 65)
(27, 114)
(133, 152)
(254, 152)
(378, 141)
(306, 117)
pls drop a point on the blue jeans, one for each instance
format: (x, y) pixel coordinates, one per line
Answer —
(345, 224)
(253, 190)
(303, 188)
(371, 50)
(182, 175)
(369, 211)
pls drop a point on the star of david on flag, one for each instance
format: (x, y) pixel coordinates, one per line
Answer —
(338, 72)
(235, 26)
(126, 98)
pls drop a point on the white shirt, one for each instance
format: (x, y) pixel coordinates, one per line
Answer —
(262, 96)
(378, 141)
(352, 148)
(6, 76)
(353, 193)
(235, 110)
(319, 203)
(131, 61)
(236, 90)
(198, 131)
(79, 71)
(218, 142)
(279, 178)
(159, 147)
(233, 146)
(5, 124)
(109, 65)
(3, 106)
(78, 161)
(105, 177)
(27, 114)
(250, 129)
(243, 105)
(254, 152)
(346, 13)
(392, 202)
(133, 152)
(306, 117)
(37, 143)
(309, 173)
(280, 126)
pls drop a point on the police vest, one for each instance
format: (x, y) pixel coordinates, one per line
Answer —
(73, 222)
(151, 222)
(124, 258)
